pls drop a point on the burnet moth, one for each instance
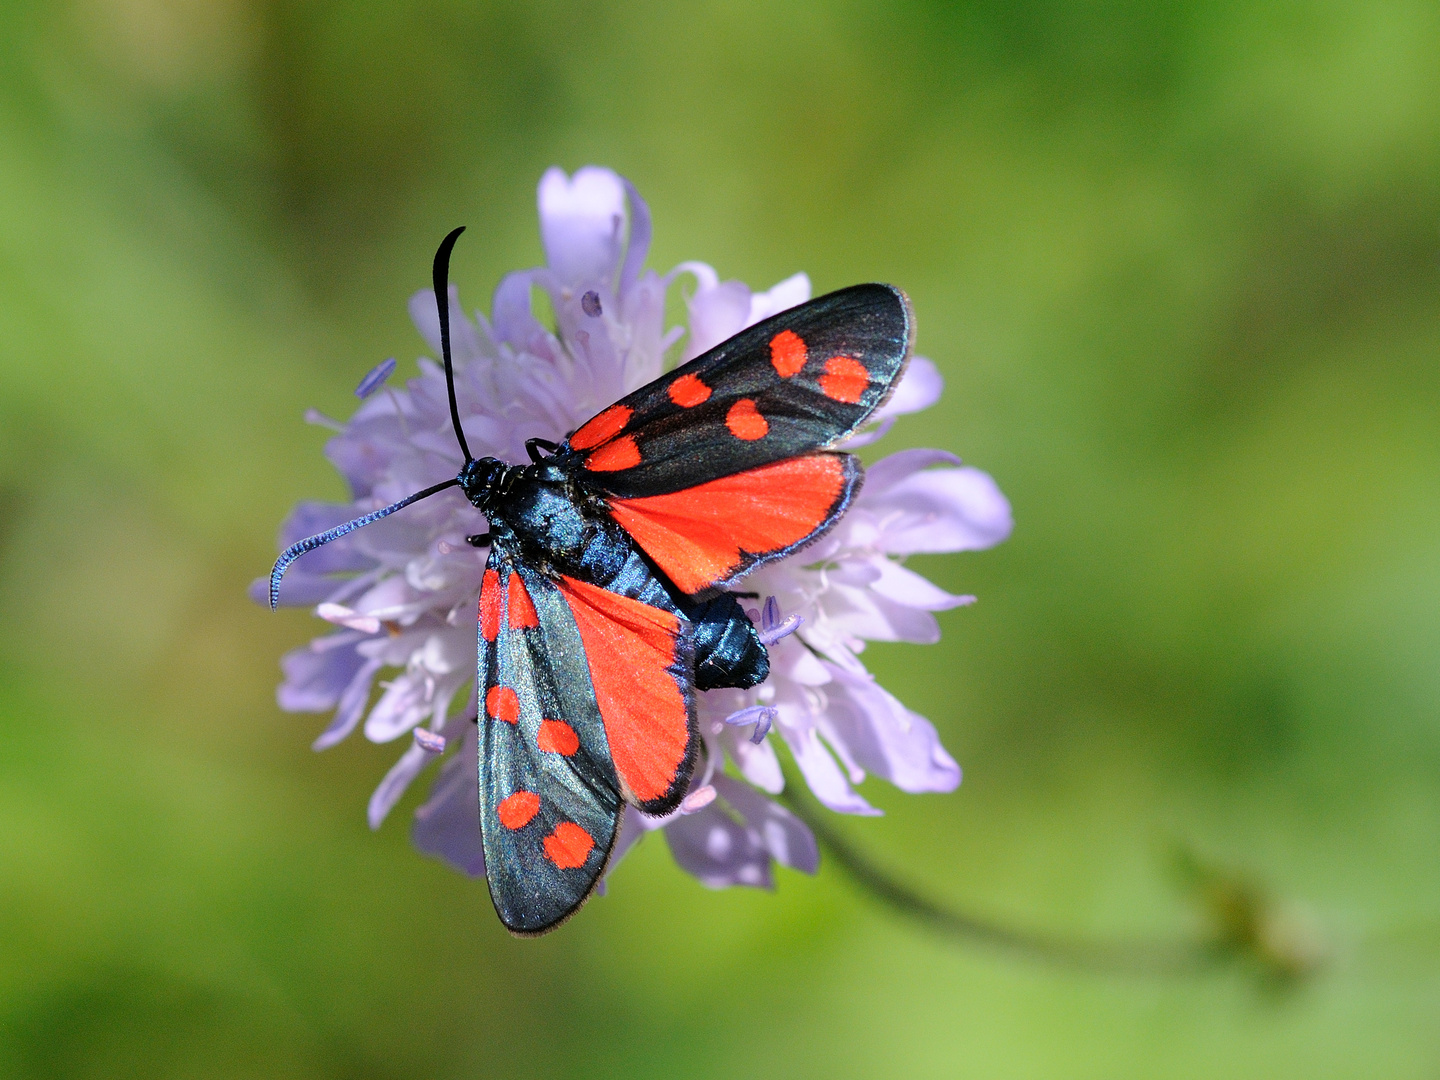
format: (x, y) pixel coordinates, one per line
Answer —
(605, 602)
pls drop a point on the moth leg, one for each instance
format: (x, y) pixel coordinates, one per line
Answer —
(534, 446)
(478, 540)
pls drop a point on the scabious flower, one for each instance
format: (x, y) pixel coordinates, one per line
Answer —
(401, 592)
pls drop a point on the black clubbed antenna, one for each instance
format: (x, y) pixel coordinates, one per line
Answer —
(310, 543)
(442, 308)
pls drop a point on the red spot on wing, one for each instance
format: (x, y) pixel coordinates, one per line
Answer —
(688, 391)
(630, 647)
(521, 610)
(787, 353)
(699, 536)
(845, 379)
(502, 703)
(601, 426)
(557, 737)
(568, 846)
(614, 456)
(490, 606)
(745, 421)
(516, 811)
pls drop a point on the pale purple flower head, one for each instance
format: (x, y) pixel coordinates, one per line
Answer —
(401, 593)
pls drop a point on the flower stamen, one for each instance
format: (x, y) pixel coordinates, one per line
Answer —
(375, 378)
(319, 419)
(772, 627)
(762, 716)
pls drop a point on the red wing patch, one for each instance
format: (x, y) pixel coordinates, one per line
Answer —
(787, 353)
(845, 379)
(688, 391)
(502, 703)
(631, 648)
(602, 426)
(490, 606)
(568, 846)
(521, 611)
(516, 811)
(745, 421)
(701, 536)
(557, 737)
(614, 456)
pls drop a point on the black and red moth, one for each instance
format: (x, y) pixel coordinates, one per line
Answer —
(604, 605)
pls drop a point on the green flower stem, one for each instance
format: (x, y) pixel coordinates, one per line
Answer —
(1156, 957)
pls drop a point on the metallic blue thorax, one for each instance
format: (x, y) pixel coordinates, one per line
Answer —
(553, 521)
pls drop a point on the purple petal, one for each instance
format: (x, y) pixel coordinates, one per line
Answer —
(410, 765)
(935, 510)
(855, 572)
(904, 586)
(698, 799)
(717, 313)
(869, 433)
(797, 663)
(403, 705)
(350, 708)
(758, 764)
(884, 737)
(392, 598)
(823, 775)
(643, 308)
(865, 613)
(340, 615)
(717, 850)
(317, 674)
(919, 388)
(638, 245)
(597, 370)
(431, 742)
(789, 293)
(361, 459)
(580, 223)
(513, 315)
(784, 835)
(891, 470)
(885, 620)
(426, 318)
(447, 826)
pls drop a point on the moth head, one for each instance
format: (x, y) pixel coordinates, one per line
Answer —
(480, 480)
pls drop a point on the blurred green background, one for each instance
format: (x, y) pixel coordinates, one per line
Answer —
(1180, 263)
